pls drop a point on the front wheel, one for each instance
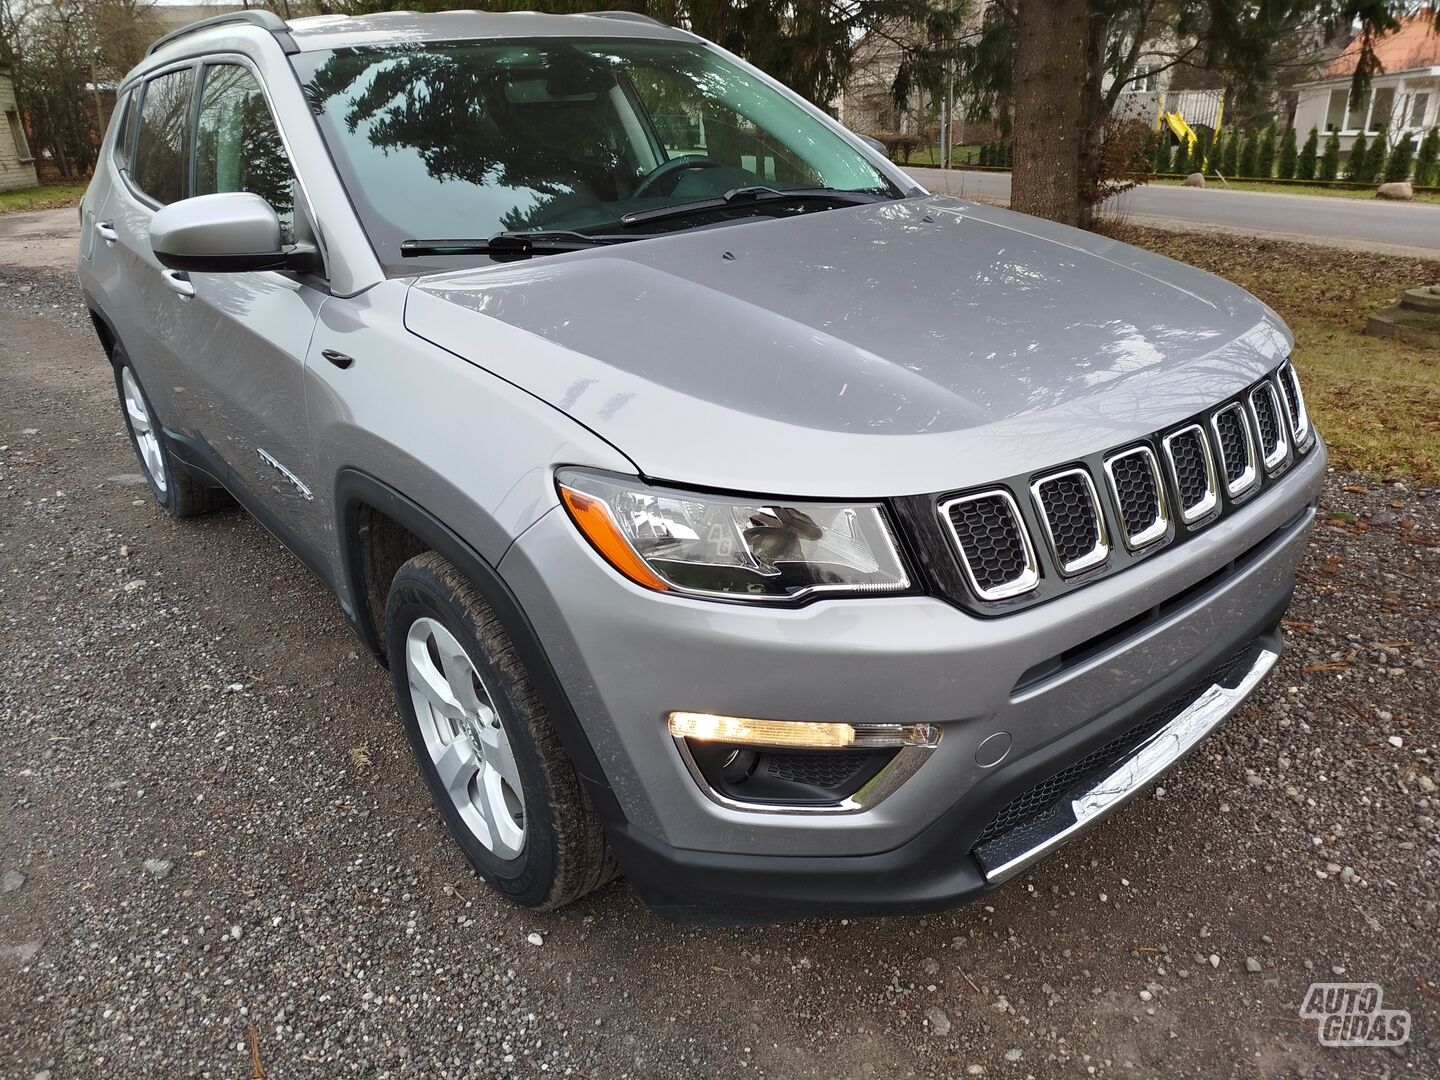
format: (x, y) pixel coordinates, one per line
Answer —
(480, 734)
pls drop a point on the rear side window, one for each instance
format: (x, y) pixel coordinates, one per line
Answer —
(237, 145)
(159, 169)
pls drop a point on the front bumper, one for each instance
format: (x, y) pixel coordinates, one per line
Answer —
(627, 657)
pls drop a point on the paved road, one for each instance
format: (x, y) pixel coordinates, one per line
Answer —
(40, 238)
(182, 692)
(1406, 228)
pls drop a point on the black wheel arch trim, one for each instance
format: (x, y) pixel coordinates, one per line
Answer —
(354, 489)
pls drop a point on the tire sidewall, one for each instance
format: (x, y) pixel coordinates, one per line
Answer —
(120, 360)
(528, 878)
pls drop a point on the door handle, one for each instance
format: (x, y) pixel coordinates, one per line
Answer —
(106, 231)
(179, 282)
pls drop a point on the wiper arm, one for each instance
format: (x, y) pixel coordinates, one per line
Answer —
(510, 246)
(748, 196)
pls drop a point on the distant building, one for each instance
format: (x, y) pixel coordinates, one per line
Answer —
(1405, 99)
(17, 164)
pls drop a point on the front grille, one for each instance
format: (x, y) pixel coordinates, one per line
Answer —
(1237, 457)
(824, 770)
(994, 547)
(1049, 791)
(1192, 471)
(1266, 408)
(1138, 492)
(1294, 403)
(1071, 514)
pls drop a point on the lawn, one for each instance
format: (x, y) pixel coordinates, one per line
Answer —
(1376, 401)
(47, 197)
(960, 156)
(1211, 184)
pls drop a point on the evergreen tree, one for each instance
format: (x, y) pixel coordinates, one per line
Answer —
(1305, 163)
(1425, 161)
(1231, 161)
(1355, 163)
(1289, 157)
(1330, 160)
(1182, 158)
(1265, 158)
(1250, 154)
(1401, 158)
(1375, 158)
(984, 154)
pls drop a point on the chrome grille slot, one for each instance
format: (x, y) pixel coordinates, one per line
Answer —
(1237, 448)
(1192, 471)
(995, 550)
(1274, 444)
(1294, 404)
(1139, 496)
(1074, 523)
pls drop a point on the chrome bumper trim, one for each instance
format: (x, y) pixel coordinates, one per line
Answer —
(1159, 753)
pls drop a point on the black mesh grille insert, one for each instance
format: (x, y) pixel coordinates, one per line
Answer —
(819, 770)
(1234, 449)
(990, 537)
(1070, 512)
(1187, 452)
(1049, 791)
(1263, 402)
(1291, 389)
(1135, 492)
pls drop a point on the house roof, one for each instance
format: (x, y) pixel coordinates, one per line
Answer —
(1415, 45)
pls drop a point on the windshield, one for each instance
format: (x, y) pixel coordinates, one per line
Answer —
(468, 139)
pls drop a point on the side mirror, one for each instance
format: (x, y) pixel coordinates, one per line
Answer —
(873, 143)
(226, 233)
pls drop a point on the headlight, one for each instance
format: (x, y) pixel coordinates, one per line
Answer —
(706, 545)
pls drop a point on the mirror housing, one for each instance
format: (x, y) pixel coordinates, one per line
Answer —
(227, 233)
(873, 143)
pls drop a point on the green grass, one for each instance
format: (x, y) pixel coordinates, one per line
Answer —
(1375, 400)
(960, 156)
(45, 197)
(1289, 189)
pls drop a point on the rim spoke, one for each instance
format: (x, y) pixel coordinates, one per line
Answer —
(456, 766)
(458, 673)
(507, 832)
(499, 755)
(139, 418)
(429, 683)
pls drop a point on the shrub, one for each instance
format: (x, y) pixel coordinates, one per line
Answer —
(1375, 158)
(1306, 162)
(1250, 155)
(1401, 158)
(1126, 157)
(1330, 161)
(1355, 163)
(1231, 161)
(1265, 155)
(1289, 158)
(1181, 165)
(1426, 172)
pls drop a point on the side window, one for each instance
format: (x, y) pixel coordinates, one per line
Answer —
(121, 121)
(238, 147)
(159, 168)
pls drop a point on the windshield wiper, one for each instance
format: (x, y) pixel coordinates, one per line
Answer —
(511, 246)
(750, 196)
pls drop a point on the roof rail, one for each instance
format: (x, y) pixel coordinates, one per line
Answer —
(265, 20)
(626, 16)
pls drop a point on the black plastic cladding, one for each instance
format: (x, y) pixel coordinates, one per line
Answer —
(934, 547)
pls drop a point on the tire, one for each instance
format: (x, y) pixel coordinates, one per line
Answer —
(180, 491)
(433, 616)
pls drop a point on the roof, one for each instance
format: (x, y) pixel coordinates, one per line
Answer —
(1415, 45)
(396, 27)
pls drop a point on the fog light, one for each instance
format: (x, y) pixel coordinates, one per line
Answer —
(806, 734)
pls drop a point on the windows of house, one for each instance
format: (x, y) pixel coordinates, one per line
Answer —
(1419, 106)
(1335, 112)
(1382, 107)
(17, 132)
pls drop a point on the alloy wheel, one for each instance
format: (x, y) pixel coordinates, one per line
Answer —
(147, 439)
(463, 735)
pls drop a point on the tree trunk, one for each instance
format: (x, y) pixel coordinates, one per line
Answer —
(1050, 122)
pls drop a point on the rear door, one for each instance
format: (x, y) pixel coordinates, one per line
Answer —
(245, 335)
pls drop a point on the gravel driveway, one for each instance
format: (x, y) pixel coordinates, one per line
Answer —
(219, 860)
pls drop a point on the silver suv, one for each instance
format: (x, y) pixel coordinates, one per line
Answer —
(730, 513)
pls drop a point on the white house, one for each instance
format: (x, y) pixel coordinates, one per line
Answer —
(1405, 99)
(17, 164)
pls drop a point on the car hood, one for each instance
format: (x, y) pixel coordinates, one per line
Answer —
(888, 349)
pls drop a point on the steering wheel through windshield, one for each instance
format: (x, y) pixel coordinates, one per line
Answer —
(672, 170)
